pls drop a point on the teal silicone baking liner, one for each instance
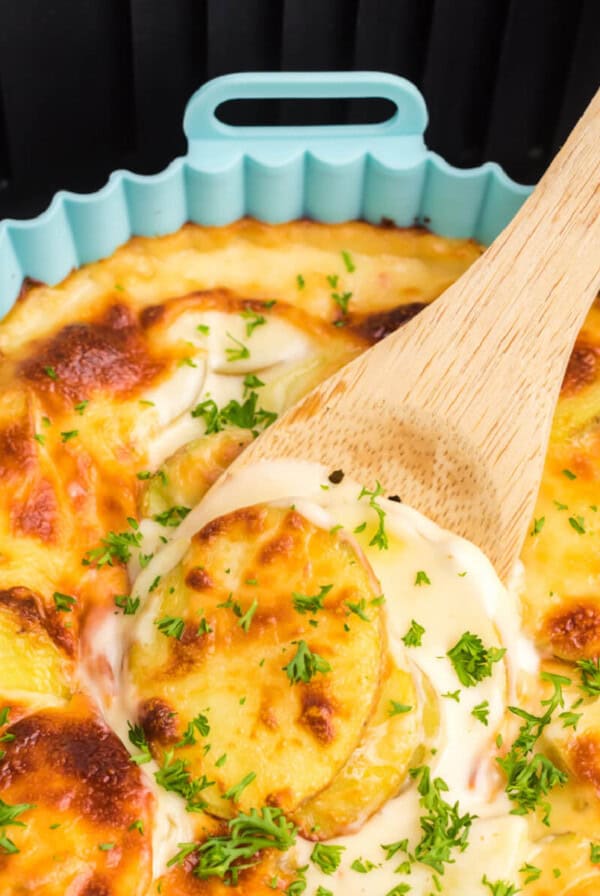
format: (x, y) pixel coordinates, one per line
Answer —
(328, 173)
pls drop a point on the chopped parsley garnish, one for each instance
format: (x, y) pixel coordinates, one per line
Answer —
(531, 776)
(63, 602)
(422, 578)
(137, 825)
(81, 406)
(570, 719)
(380, 538)
(481, 712)
(358, 609)
(363, 866)
(560, 506)
(300, 282)
(173, 516)
(327, 857)
(239, 353)
(577, 523)
(569, 474)
(251, 381)
(590, 676)
(4, 713)
(70, 434)
(144, 474)
(538, 525)
(203, 628)
(174, 776)
(204, 329)
(443, 828)
(399, 890)
(310, 603)
(248, 833)
(221, 760)
(106, 847)
(246, 620)
(154, 585)
(129, 604)
(51, 372)
(500, 888)
(198, 725)
(235, 792)
(171, 626)
(39, 438)
(114, 546)
(342, 299)
(471, 660)
(305, 664)
(397, 709)
(137, 737)
(349, 264)
(332, 279)
(186, 362)
(595, 853)
(323, 891)
(244, 416)
(414, 635)
(254, 320)
(532, 872)
(452, 695)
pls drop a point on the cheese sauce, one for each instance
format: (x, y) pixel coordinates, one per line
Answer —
(458, 592)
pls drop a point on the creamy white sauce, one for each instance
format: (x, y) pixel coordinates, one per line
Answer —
(452, 604)
(464, 594)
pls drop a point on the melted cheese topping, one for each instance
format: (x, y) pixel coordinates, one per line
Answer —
(100, 376)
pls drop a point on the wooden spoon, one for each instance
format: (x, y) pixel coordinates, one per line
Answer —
(453, 411)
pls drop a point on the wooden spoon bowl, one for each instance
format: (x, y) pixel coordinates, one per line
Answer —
(453, 411)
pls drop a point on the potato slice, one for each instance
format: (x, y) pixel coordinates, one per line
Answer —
(188, 474)
(233, 591)
(377, 768)
(84, 809)
(30, 659)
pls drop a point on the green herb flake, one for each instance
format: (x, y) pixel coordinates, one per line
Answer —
(414, 635)
(595, 853)
(254, 320)
(137, 825)
(348, 263)
(422, 578)
(531, 872)
(443, 828)
(70, 434)
(63, 602)
(472, 661)
(137, 738)
(569, 474)
(500, 887)
(239, 353)
(481, 712)
(305, 664)
(397, 709)
(171, 626)
(198, 725)
(235, 792)
(204, 329)
(577, 523)
(380, 538)
(81, 406)
(300, 281)
(327, 857)
(342, 299)
(590, 676)
(130, 605)
(359, 609)
(51, 372)
(173, 516)
(538, 525)
(245, 621)
(452, 695)
(310, 603)
(363, 866)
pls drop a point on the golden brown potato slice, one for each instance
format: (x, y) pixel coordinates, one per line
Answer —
(78, 817)
(217, 636)
(34, 647)
(377, 768)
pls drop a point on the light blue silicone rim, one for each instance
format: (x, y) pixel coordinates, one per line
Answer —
(330, 174)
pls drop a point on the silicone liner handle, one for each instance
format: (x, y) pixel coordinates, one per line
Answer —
(409, 120)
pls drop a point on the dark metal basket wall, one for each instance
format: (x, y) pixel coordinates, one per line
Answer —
(87, 86)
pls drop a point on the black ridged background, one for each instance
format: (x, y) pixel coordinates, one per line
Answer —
(87, 86)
